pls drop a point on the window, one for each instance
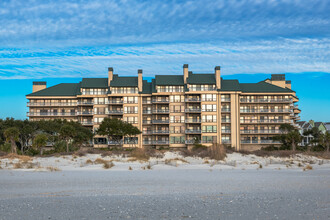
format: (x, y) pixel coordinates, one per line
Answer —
(201, 87)
(131, 109)
(176, 98)
(131, 99)
(130, 140)
(124, 90)
(209, 129)
(177, 140)
(209, 97)
(209, 118)
(169, 88)
(209, 108)
(209, 139)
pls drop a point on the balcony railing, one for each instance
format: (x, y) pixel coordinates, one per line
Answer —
(266, 121)
(86, 122)
(225, 120)
(130, 112)
(147, 122)
(209, 131)
(116, 102)
(160, 142)
(117, 112)
(161, 111)
(189, 110)
(94, 93)
(160, 100)
(51, 114)
(225, 141)
(147, 132)
(225, 99)
(160, 131)
(225, 131)
(176, 131)
(160, 121)
(193, 120)
(130, 102)
(265, 110)
(85, 103)
(192, 99)
(225, 109)
(259, 142)
(147, 112)
(102, 103)
(146, 102)
(85, 113)
(193, 131)
(209, 120)
(147, 142)
(115, 142)
(177, 121)
(209, 100)
(209, 110)
(264, 100)
(29, 104)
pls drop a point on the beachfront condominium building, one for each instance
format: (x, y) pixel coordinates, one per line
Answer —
(174, 110)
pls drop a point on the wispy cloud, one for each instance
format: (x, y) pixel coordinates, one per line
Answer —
(40, 38)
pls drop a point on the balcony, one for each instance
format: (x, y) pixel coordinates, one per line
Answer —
(209, 110)
(146, 102)
(131, 122)
(160, 101)
(147, 142)
(51, 114)
(177, 131)
(147, 132)
(225, 131)
(115, 112)
(111, 142)
(225, 109)
(193, 131)
(225, 120)
(225, 99)
(147, 122)
(209, 100)
(116, 101)
(264, 100)
(86, 122)
(85, 113)
(192, 110)
(254, 121)
(191, 141)
(193, 120)
(160, 142)
(177, 121)
(130, 102)
(160, 131)
(85, 103)
(209, 131)
(225, 141)
(161, 111)
(209, 120)
(42, 104)
(147, 112)
(160, 121)
(102, 103)
(192, 99)
(130, 112)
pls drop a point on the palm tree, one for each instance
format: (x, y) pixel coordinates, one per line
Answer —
(289, 136)
(67, 132)
(12, 135)
(40, 141)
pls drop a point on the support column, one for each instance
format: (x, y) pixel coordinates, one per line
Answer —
(235, 121)
(140, 120)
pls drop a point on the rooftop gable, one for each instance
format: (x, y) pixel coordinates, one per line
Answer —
(124, 81)
(94, 83)
(201, 79)
(263, 87)
(63, 89)
(169, 80)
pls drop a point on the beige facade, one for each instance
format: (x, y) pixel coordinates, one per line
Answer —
(175, 110)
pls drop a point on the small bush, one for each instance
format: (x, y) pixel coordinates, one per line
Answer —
(260, 166)
(140, 154)
(130, 168)
(108, 165)
(52, 169)
(217, 152)
(89, 161)
(308, 167)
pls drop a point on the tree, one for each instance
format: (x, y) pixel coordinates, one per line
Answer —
(325, 140)
(40, 141)
(12, 135)
(316, 134)
(67, 133)
(115, 129)
(289, 136)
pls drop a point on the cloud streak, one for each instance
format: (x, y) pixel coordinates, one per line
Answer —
(43, 38)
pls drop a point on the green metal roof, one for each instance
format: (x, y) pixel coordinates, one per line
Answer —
(147, 87)
(63, 89)
(169, 80)
(201, 79)
(124, 81)
(262, 87)
(230, 85)
(94, 83)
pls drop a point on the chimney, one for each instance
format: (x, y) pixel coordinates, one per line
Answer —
(185, 73)
(110, 75)
(37, 86)
(140, 80)
(217, 77)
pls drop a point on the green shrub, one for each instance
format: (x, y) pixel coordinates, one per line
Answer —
(32, 152)
(5, 147)
(199, 147)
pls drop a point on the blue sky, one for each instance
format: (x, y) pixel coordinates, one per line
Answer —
(62, 41)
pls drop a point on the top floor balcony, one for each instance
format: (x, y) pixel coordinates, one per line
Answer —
(42, 104)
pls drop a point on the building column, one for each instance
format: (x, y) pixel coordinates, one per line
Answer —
(235, 121)
(140, 120)
(219, 118)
